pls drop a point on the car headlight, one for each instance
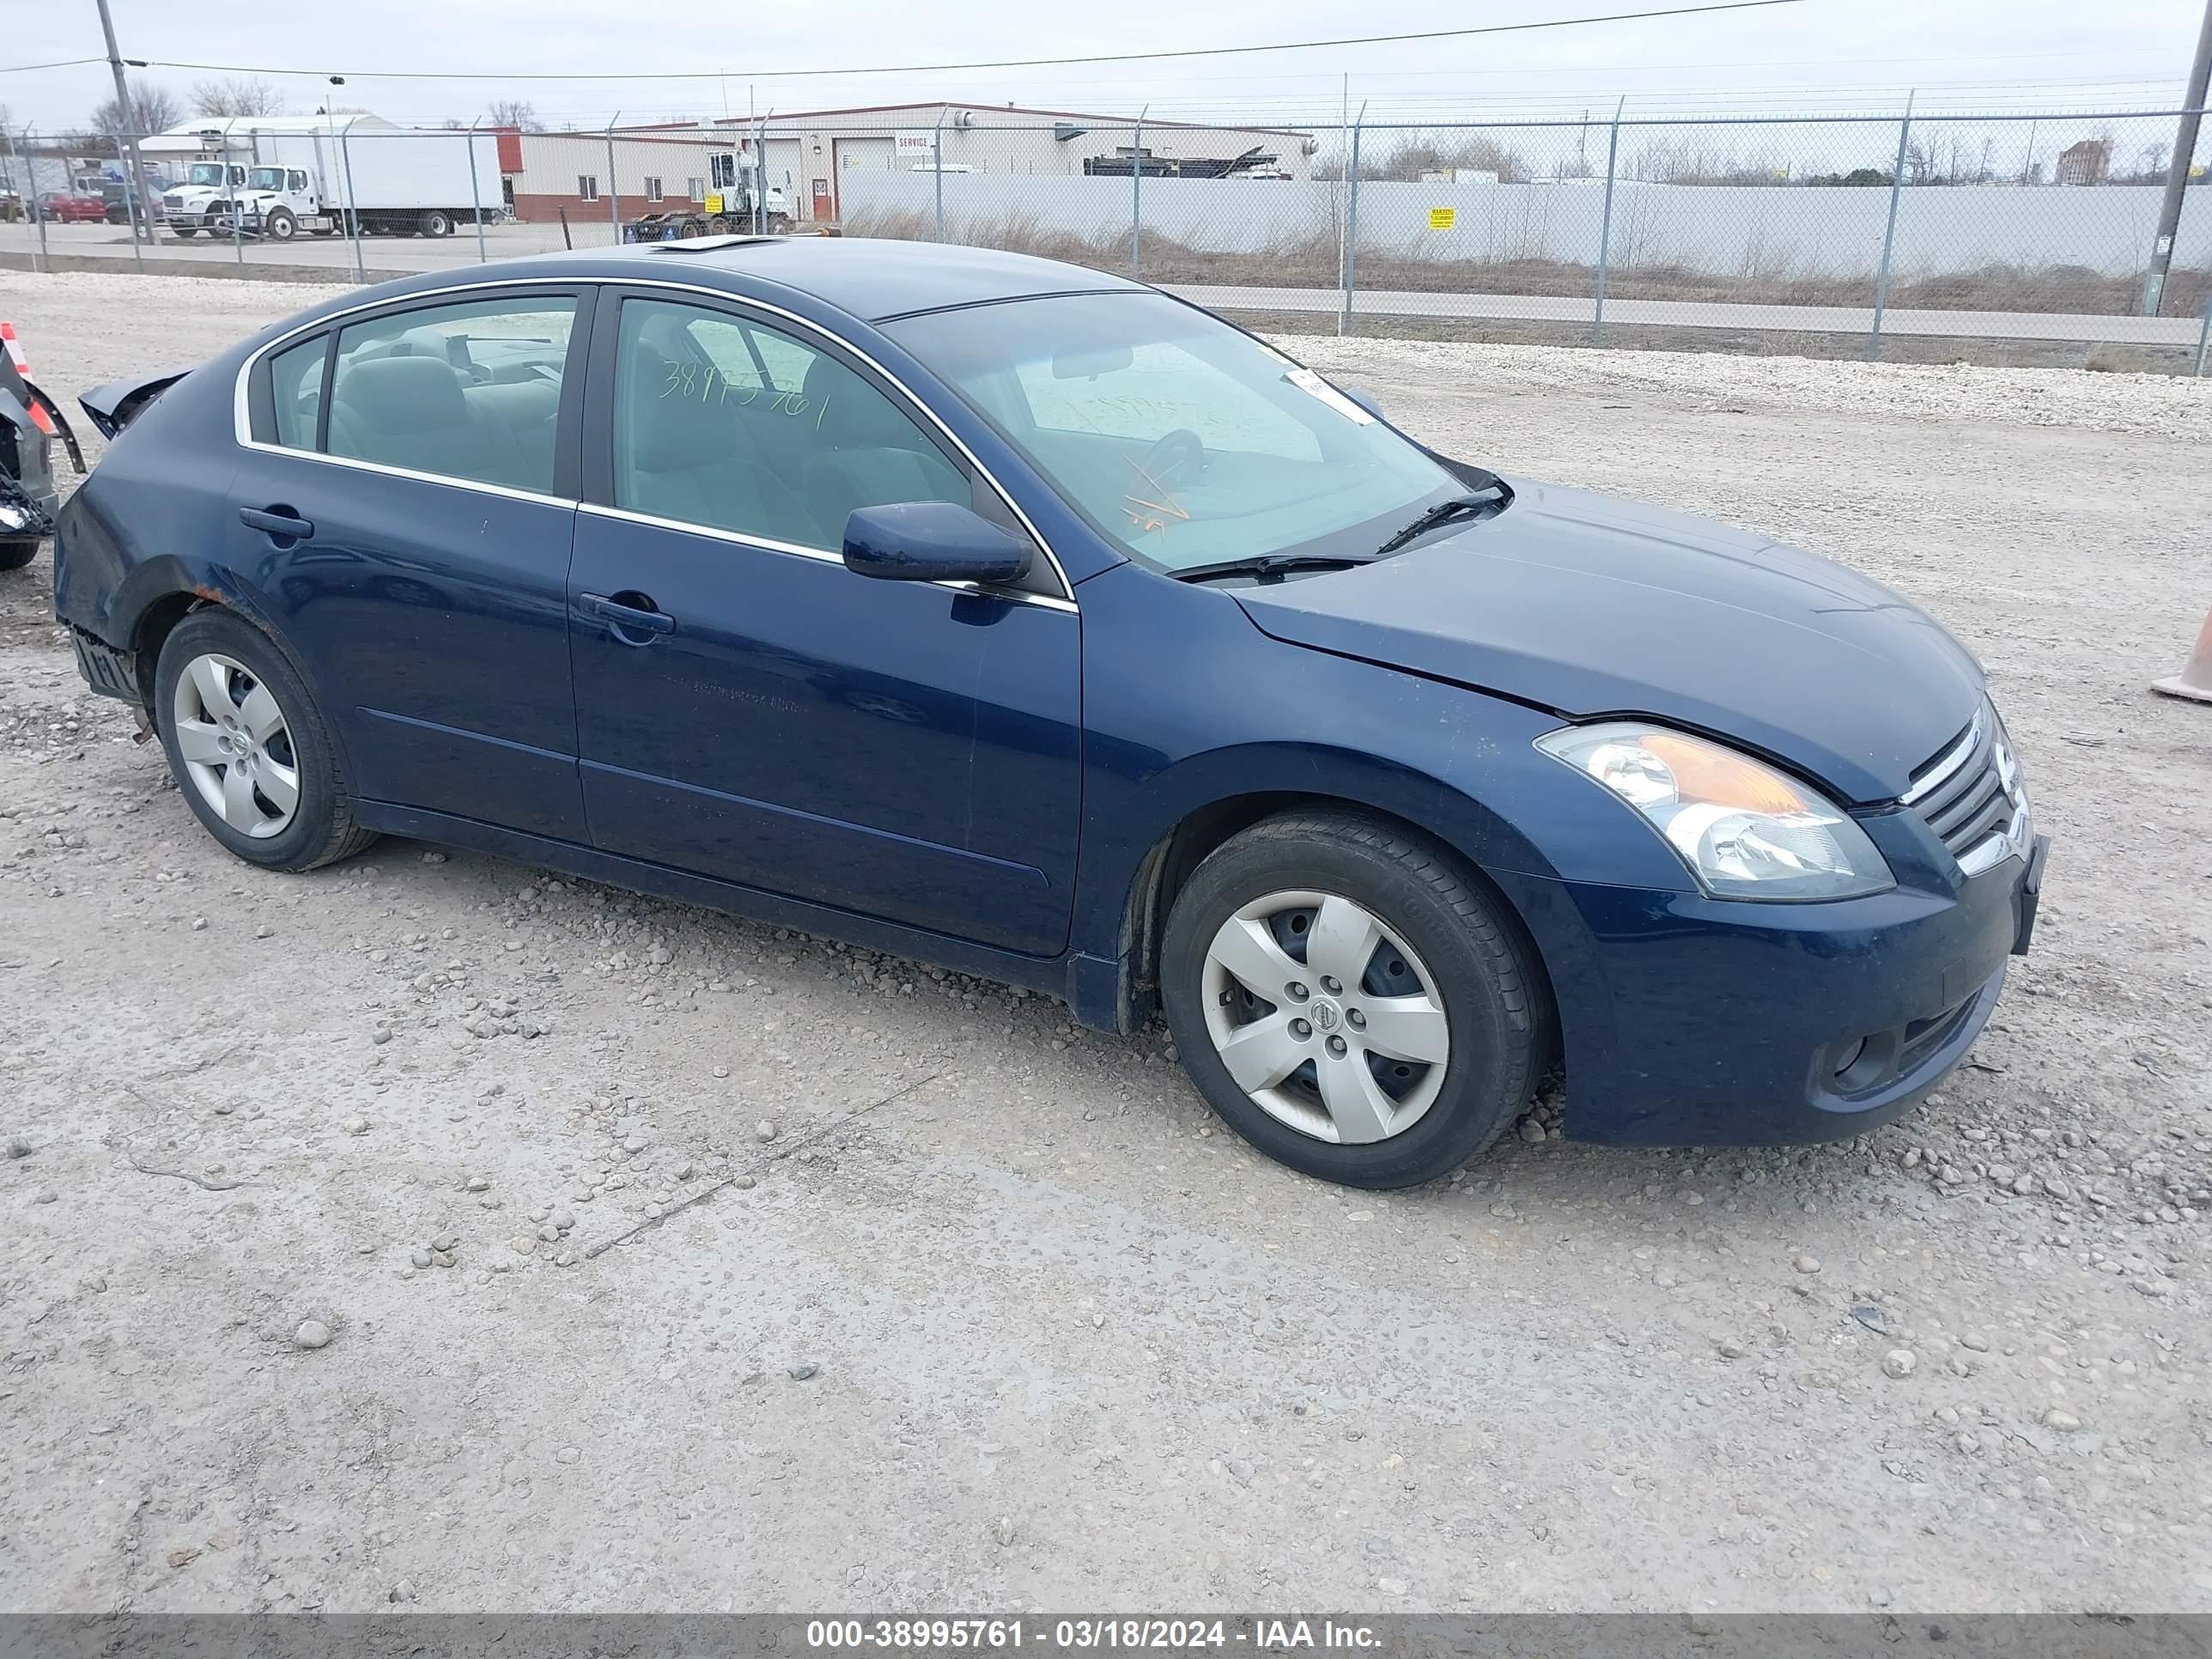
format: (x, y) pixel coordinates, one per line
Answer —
(1744, 829)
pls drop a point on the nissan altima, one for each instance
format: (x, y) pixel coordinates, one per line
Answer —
(1029, 621)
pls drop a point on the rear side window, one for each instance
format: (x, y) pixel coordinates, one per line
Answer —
(468, 391)
(296, 387)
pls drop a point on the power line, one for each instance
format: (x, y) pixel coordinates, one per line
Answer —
(1000, 63)
(59, 63)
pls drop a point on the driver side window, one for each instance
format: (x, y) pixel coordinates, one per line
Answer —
(724, 423)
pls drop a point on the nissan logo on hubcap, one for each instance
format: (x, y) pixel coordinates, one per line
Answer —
(1325, 1016)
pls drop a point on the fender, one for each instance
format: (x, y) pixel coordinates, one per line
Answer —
(1120, 907)
(85, 547)
(1304, 724)
(1173, 797)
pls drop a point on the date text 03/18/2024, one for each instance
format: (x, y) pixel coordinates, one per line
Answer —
(982, 1635)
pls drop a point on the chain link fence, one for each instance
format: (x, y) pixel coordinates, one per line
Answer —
(1900, 234)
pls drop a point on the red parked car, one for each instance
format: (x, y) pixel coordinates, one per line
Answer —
(74, 210)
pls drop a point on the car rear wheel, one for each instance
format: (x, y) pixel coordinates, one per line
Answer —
(1350, 1001)
(249, 750)
(15, 554)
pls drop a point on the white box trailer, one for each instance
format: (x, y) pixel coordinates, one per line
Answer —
(394, 182)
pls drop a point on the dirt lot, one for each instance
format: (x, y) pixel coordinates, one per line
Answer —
(784, 1276)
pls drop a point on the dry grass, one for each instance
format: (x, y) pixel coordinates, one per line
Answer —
(1981, 350)
(1310, 260)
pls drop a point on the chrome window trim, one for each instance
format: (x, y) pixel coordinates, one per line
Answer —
(387, 470)
(242, 413)
(799, 550)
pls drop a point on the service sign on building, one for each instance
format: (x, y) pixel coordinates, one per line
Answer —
(914, 146)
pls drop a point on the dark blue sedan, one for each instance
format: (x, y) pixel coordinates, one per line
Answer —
(1029, 621)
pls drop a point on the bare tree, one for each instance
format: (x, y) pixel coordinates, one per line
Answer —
(236, 94)
(152, 109)
(1475, 153)
(517, 113)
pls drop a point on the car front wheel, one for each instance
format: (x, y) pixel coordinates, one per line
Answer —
(248, 748)
(1350, 1001)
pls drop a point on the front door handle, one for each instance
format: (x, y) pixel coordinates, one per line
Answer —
(278, 521)
(627, 615)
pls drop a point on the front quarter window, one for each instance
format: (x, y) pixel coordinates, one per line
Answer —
(1182, 441)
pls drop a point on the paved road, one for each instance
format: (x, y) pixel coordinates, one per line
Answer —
(1683, 313)
(387, 255)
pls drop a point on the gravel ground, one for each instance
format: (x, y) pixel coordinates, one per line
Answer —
(430, 1231)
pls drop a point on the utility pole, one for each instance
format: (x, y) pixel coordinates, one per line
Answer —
(144, 202)
(2176, 171)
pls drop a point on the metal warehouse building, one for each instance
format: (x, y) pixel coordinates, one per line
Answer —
(808, 152)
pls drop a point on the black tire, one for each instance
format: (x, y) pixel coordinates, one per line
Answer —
(322, 830)
(186, 232)
(17, 553)
(280, 226)
(1492, 992)
(435, 223)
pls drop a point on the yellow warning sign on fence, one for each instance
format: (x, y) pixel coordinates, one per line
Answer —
(713, 204)
(1443, 218)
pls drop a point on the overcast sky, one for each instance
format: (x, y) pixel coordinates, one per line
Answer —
(1826, 54)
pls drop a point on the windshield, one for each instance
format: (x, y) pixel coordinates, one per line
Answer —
(207, 173)
(266, 179)
(1182, 441)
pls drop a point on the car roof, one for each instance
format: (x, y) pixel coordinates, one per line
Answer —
(865, 278)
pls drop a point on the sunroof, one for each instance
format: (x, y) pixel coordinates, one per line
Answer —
(710, 244)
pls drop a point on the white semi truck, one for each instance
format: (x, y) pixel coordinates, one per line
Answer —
(188, 206)
(389, 180)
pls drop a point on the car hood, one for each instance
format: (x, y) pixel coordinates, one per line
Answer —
(1590, 605)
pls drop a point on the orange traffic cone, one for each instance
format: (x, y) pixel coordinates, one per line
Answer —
(2195, 679)
(9, 344)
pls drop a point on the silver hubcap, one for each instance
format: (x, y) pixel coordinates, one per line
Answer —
(1325, 1018)
(236, 748)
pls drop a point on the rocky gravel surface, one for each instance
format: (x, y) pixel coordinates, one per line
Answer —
(436, 1232)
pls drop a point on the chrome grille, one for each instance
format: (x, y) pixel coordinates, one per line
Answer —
(1970, 795)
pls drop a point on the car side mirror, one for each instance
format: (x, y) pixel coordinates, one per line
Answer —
(932, 542)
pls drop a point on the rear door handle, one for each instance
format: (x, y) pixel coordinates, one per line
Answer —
(276, 522)
(626, 618)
